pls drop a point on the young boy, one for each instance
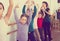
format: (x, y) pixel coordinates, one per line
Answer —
(39, 24)
(23, 25)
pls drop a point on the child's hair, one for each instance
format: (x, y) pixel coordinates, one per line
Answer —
(24, 15)
(40, 12)
(45, 3)
(28, 9)
(2, 5)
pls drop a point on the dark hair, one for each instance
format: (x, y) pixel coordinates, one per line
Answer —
(28, 9)
(45, 3)
(41, 12)
(2, 5)
(24, 15)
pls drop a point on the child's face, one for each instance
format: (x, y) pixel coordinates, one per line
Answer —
(43, 4)
(23, 20)
(1, 10)
(39, 15)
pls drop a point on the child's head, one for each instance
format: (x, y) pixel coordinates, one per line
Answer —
(58, 10)
(1, 9)
(23, 18)
(40, 14)
(44, 4)
(28, 11)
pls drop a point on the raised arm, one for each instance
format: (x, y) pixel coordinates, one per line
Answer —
(16, 18)
(7, 16)
(43, 14)
(15, 15)
(23, 10)
(29, 18)
(35, 11)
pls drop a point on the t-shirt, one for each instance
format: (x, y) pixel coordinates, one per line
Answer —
(22, 33)
(47, 16)
(39, 22)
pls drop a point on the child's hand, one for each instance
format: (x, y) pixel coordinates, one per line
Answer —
(16, 6)
(26, 2)
(8, 33)
(11, 2)
(33, 2)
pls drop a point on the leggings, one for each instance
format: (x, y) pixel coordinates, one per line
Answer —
(47, 31)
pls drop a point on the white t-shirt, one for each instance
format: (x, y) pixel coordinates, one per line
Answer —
(4, 29)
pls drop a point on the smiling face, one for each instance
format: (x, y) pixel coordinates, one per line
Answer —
(1, 9)
(23, 20)
(40, 15)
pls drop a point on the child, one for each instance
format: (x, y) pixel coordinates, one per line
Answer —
(33, 8)
(23, 25)
(4, 21)
(39, 24)
(46, 21)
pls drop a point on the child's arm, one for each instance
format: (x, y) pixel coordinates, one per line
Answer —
(29, 18)
(9, 11)
(11, 24)
(11, 32)
(48, 12)
(35, 11)
(15, 15)
(23, 10)
(43, 14)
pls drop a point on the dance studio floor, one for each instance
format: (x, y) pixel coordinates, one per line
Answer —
(56, 35)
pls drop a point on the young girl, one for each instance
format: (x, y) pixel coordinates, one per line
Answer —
(46, 21)
(4, 21)
(23, 25)
(39, 24)
(33, 8)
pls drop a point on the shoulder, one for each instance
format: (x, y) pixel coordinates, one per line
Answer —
(47, 9)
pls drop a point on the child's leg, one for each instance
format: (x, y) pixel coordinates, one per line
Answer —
(49, 31)
(45, 31)
(41, 33)
(31, 36)
(45, 34)
(37, 35)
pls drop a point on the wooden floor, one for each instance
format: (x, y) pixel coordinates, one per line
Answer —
(56, 35)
